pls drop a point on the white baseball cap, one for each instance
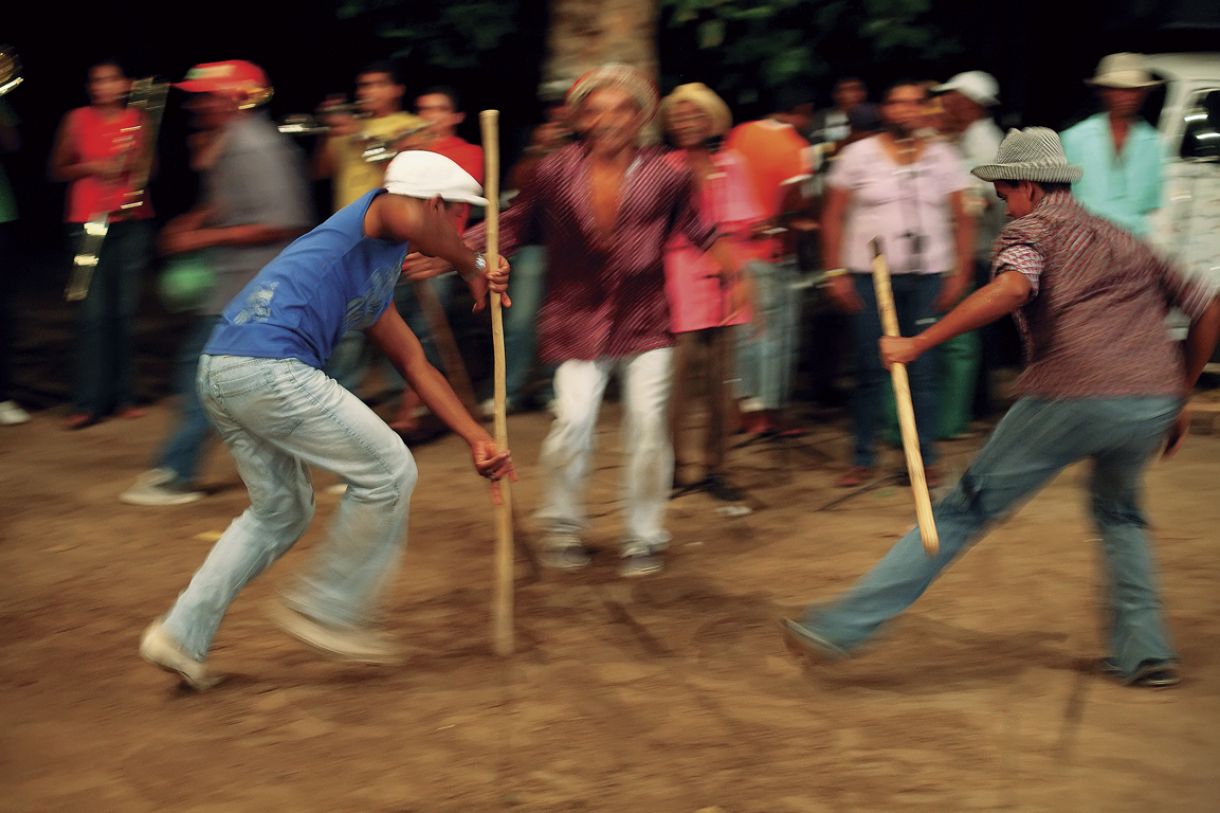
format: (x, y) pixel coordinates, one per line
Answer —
(977, 86)
(423, 174)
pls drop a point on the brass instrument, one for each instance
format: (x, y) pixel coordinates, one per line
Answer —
(377, 148)
(10, 69)
(147, 96)
(256, 98)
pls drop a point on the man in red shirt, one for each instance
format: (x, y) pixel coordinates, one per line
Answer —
(441, 108)
(605, 207)
(94, 151)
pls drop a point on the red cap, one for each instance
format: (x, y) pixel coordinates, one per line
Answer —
(235, 76)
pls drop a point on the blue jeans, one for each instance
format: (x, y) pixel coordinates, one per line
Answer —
(1033, 443)
(279, 416)
(520, 322)
(766, 361)
(182, 451)
(914, 296)
(103, 378)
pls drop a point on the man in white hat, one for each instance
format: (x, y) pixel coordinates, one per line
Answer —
(968, 99)
(1119, 152)
(1104, 382)
(262, 383)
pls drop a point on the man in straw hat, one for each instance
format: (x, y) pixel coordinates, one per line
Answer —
(695, 121)
(605, 208)
(1104, 383)
(262, 383)
(1119, 152)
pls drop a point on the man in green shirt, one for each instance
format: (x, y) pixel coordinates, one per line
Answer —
(1119, 152)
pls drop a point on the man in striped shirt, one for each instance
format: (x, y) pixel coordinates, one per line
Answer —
(605, 208)
(1103, 381)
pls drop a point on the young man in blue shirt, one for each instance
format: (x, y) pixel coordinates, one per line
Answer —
(262, 384)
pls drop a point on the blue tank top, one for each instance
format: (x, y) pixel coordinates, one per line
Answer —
(328, 282)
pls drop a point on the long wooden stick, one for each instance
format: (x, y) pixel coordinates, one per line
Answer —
(906, 411)
(502, 596)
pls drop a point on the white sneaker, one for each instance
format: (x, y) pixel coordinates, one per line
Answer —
(640, 559)
(350, 643)
(12, 414)
(488, 408)
(162, 651)
(563, 551)
(160, 487)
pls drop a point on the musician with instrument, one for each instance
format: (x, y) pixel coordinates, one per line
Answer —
(256, 202)
(95, 152)
(359, 141)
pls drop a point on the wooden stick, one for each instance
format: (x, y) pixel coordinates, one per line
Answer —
(502, 596)
(906, 411)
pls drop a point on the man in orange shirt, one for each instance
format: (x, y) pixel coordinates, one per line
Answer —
(777, 161)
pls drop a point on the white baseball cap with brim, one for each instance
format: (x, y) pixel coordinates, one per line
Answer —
(979, 87)
(1125, 71)
(423, 174)
(1033, 154)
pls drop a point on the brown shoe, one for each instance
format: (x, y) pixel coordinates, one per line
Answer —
(932, 476)
(855, 476)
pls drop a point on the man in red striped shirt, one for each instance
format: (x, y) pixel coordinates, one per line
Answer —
(604, 208)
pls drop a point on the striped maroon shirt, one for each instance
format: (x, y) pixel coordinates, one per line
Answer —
(604, 299)
(1095, 323)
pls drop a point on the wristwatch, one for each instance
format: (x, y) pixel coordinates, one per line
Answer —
(480, 267)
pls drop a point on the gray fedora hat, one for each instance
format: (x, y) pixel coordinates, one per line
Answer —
(1032, 154)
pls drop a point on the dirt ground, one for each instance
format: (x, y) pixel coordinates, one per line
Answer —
(672, 693)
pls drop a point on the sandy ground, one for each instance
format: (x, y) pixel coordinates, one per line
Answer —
(672, 693)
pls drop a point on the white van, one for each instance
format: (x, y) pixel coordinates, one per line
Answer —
(1188, 224)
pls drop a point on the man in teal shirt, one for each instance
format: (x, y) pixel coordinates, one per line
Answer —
(1119, 152)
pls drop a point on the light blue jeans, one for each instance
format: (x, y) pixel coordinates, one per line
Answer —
(184, 448)
(766, 361)
(1033, 443)
(521, 324)
(277, 416)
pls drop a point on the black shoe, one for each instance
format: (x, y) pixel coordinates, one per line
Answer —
(1150, 674)
(721, 489)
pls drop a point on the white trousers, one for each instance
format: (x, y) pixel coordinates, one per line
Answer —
(568, 449)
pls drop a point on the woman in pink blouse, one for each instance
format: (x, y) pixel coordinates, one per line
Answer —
(704, 305)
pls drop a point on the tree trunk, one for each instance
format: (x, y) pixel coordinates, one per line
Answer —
(588, 33)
